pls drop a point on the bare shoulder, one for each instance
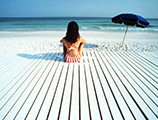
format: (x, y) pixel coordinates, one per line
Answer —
(82, 40)
(62, 41)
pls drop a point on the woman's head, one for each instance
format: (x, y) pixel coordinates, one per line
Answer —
(72, 32)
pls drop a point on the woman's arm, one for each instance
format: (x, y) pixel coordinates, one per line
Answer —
(82, 40)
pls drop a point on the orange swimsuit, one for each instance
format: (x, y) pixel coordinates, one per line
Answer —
(71, 59)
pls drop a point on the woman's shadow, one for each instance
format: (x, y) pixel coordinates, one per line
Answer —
(87, 45)
(57, 56)
(45, 56)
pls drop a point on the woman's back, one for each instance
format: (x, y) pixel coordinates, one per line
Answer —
(72, 49)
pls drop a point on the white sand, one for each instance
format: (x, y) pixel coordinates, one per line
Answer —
(48, 41)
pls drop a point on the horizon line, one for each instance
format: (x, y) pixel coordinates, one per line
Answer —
(67, 17)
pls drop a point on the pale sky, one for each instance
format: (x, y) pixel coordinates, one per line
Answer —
(77, 8)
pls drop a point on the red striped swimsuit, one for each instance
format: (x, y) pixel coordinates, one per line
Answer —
(73, 59)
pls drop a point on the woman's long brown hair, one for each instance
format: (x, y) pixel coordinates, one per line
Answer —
(72, 32)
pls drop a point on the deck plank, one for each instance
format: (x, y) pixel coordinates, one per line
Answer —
(7, 77)
(15, 81)
(138, 92)
(146, 74)
(115, 88)
(93, 104)
(27, 81)
(103, 85)
(148, 58)
(124, 85)
(54, 110)
(97, 77)
(20, 106)
(33, 86)
(138, 73)
(40, 92)
(110, 95)
(66, 102)
(57, 67)
(149, 69)
(74, 106)
(84, 98)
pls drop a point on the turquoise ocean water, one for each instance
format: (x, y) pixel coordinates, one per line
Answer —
(60, 24)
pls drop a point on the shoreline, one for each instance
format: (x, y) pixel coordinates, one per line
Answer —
(48, 41)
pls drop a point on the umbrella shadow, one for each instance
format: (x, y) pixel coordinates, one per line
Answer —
(89, 45)
(45, 56)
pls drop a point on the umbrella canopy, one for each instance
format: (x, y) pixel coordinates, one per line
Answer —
(130, 19)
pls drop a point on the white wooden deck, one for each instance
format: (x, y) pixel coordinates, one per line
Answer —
(104, 85)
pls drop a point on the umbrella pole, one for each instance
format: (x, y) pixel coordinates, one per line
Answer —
(124, 36)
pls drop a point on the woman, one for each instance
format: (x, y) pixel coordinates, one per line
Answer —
(73, 43)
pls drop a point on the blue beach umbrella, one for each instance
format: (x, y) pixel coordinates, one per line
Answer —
(130, 19)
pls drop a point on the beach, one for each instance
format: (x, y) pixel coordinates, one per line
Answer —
(48, 41)
(109, 81)
(44, 34)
